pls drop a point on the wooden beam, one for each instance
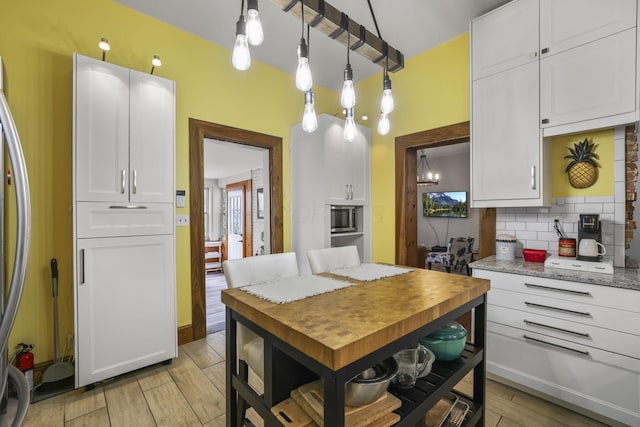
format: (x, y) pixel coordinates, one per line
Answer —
(333, 23)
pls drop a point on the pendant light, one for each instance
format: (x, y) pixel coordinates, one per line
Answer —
(425, 176)
(350, 126)
(309, 118)
(155, 62)
(104, 45)
(255, 36)
(241, 58)
(304, 80)
(348, 96)
(383, 124)
(386, 104)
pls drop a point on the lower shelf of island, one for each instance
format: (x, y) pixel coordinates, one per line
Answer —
(428, 390)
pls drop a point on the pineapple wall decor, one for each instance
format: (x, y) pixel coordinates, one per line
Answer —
(583, 167)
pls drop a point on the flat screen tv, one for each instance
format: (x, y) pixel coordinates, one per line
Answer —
(449, 204)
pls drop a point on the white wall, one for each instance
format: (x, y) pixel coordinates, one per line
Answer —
(454, 176)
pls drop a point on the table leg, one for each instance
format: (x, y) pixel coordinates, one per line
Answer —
(479, 372)
(231, 355)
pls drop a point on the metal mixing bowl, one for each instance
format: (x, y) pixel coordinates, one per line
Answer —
(362, 390)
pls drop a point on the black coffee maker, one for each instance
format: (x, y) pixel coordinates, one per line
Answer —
(589, 228)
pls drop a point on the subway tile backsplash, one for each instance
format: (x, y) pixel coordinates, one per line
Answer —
(533, 227)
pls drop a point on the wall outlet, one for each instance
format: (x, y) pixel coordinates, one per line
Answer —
(69, 342)
(182, 220)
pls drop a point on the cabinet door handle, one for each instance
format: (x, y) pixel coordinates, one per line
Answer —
(122, 180)
(135, 181)
(564, 310)
(545, 50)
(545, 121)
(82, 266)
(533, 177)
(551, 288)
(350, 191)
(555, 328)
(575, 350)
(127, 207)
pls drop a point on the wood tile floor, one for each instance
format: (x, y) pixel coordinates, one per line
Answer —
(191, 392)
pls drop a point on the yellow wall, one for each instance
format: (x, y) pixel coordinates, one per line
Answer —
(431, 91)
(605, 150)
(37, 39)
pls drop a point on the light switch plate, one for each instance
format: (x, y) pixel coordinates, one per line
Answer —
(182, 220)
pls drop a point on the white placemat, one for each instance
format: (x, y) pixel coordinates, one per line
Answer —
(289, 289)
(369, 272)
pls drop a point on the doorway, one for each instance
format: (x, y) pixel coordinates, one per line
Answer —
(407, 147)
(198, 131)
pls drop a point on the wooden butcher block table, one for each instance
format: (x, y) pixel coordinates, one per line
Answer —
(336, 335)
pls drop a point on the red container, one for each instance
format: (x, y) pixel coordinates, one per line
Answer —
(534, 255)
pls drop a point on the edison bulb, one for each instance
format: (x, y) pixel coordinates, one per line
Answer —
(348, 97)
(350, 128)
(255, 36)
(241, 58)
(383, 124)
(387, 105)
(309, 119)
(304, 81)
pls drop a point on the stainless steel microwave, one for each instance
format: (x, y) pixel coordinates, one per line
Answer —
(343, 219)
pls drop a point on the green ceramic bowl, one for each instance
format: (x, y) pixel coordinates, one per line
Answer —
(447, 343)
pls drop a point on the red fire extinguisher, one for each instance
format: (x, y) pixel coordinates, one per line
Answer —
(24, 361)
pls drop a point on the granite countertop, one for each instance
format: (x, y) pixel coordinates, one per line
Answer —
(621, 277)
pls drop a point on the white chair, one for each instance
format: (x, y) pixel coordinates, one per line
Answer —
(322, 260)
(249, 271)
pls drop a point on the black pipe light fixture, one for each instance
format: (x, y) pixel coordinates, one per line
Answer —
(255, 35)
(241, 57)
(348, 96)
(104, 45)
(425, 176)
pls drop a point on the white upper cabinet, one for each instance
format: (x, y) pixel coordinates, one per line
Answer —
(594, 81)
(347, 166)
(124, 125)
(567, 24)
(505, 38)
(506, 152)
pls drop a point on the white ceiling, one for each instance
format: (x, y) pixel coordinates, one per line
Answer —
(411, 26)
(223, 159)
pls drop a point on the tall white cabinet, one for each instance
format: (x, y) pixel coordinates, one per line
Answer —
(124, 235)
(326, 170)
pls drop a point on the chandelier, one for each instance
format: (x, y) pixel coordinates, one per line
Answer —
(425, 176)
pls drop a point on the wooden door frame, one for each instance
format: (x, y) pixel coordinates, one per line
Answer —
(198, 131)
(247, 232)
(407, 147)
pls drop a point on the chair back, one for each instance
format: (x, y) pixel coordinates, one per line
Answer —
(323, 260)
(256, 269)
(249, 271)
(461, 249)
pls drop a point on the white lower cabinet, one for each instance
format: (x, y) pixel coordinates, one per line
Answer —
(575, 342)
(125, 305)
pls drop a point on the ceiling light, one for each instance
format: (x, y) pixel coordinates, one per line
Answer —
(155, 62)
(386, 104)
(104, 45)
(309, 119)
(425, 176)
(348, 96)
(350, 126)
(304, 81)
(255, 36)
(383, 124)
(241, 58)
(365, 117)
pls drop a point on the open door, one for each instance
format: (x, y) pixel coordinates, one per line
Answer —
(239, 235)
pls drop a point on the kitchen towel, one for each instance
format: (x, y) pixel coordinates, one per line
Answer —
(288, 289)
(369, 272)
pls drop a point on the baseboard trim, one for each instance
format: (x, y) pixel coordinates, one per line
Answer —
(185, 334)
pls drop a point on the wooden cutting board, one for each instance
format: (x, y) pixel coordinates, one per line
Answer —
(291, 415)
(310, 398)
